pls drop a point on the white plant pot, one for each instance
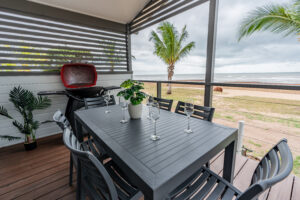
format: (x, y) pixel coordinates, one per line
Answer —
(135, 111)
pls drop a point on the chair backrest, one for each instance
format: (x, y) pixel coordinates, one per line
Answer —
(201, 112)
(165, 104)
(95, 179)
(275, 166)
(61, 120)
(98, 102)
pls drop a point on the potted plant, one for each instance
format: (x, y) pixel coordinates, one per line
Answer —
(132, 91)
(25, 103)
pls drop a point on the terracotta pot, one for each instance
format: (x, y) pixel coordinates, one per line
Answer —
(30, 146)
(135, 111)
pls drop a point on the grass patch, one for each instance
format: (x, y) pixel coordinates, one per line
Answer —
(296, 168)
(259, 104)
(253, 143)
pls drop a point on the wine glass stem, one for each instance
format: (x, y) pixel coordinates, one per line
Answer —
(188, 122)
(155, 127)
(123, 113)
(149, 112)
(106, 105)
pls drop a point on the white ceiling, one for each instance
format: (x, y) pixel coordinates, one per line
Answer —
(122, 11)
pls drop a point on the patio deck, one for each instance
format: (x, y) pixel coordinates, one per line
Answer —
(43, 173)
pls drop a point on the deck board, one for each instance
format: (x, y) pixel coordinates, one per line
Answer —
(43, 174)
(296, 189)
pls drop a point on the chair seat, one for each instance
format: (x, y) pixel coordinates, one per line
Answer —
(205, 184)
(125, 189)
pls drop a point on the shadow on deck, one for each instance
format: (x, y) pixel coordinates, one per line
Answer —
(43, 173)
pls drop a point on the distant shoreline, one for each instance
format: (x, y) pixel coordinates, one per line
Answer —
(236, 82)
(252, 78)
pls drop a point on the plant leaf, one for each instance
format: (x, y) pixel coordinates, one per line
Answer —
(9, 138)
(20, 127)
(3, 112)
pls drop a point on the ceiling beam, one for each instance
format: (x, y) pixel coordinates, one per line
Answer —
(43, 11)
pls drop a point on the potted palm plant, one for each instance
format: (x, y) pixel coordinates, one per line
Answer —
(132, 92)
(25, 103)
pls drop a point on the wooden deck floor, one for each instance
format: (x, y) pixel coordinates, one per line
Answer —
(43, 174)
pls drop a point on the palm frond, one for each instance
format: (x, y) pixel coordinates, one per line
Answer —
(4, 112)
(9, 138)
(185, 51)
(20, 127)
(41, 102)
(274, 18)
(35, 125)
(184, 35)
(159, 46)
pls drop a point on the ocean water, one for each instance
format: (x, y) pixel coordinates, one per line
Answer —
(283, 78)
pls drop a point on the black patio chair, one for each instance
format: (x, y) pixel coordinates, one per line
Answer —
(98, 102)
(95, 180)
(200, 112)
(275, 166)
(87, 145)
(165, 104)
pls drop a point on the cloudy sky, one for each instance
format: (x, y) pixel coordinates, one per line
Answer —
(262, 52)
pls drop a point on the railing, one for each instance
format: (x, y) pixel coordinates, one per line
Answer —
(270, 112)
(244, 85)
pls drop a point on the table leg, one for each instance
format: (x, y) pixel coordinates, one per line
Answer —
(229, 161)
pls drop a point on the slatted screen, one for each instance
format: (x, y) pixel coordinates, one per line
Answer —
(159, 10)
(37, 44)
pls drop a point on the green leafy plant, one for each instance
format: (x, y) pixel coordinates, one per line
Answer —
(132, 91)
(169, 46)
(25, 103)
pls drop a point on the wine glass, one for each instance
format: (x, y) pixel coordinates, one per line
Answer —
(155, 114)
(107, 98)
(124, 106)
(188, 110)
(149, 105)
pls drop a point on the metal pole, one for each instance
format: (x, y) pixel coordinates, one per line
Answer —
(240, 137)
(158, 89)
(211, 45)
(128, 48)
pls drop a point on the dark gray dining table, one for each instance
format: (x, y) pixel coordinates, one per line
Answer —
(158, 167)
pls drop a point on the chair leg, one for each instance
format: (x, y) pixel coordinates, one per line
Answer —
(79, 186)
(71, 171)
(207, 165)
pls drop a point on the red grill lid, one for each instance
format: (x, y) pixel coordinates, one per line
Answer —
(78, 75)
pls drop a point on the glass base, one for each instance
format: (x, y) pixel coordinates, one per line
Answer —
(107, 111)
(155, 137)
(148, 117)
(123, 121)
(188, 131)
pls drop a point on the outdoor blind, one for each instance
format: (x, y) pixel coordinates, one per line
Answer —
(32, 44)
(159, 10)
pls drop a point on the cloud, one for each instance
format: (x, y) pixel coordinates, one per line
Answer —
(262, 52)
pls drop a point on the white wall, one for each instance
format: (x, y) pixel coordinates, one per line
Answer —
(36, 84)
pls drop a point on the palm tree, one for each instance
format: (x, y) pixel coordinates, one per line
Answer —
(284, 18)
(169, 46)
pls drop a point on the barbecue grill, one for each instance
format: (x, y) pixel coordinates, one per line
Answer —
(79, 80)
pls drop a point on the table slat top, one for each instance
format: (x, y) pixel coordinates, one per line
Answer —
(156, 162)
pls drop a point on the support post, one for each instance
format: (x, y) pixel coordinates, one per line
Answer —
(240, 137)
(128, 48)
(158, 89)
(211, 45)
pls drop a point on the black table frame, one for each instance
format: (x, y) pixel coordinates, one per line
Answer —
(149, 183)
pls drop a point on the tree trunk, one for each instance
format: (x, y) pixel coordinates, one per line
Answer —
(170, 76)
